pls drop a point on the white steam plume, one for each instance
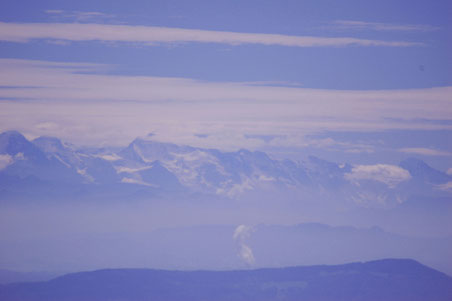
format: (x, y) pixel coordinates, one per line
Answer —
(241, 233)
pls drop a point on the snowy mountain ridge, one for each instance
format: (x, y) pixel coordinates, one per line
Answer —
(167, 168)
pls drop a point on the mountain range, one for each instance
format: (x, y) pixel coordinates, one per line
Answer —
(162, 205)
(46, 168)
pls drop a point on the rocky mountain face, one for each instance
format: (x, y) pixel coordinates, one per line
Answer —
(47, 167)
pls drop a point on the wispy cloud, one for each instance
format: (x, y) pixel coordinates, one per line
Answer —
(78, 16)
(77, 98)
(23, 32)
(424, 151)
(331, 144)
(54, 11)
(42, 80)
(446, 187)
(360, 25)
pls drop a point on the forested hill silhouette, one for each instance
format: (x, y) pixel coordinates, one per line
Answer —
(388, 279)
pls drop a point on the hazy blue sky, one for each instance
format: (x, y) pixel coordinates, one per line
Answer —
(361, 81)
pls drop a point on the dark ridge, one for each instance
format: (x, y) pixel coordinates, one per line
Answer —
(388, 279)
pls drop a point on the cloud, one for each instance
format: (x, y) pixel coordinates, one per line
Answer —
(150, 35)
(135, 181)
(78, 16)
(360, 25)
(5, 160)
(241, 234)
(390, 175)
(331, 144)
(54, 11)
(424, 151)
(39, 80)
(446, 187)
(69, 100)
(449, 171)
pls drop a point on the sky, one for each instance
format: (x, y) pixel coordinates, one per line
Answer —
(362, 82)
